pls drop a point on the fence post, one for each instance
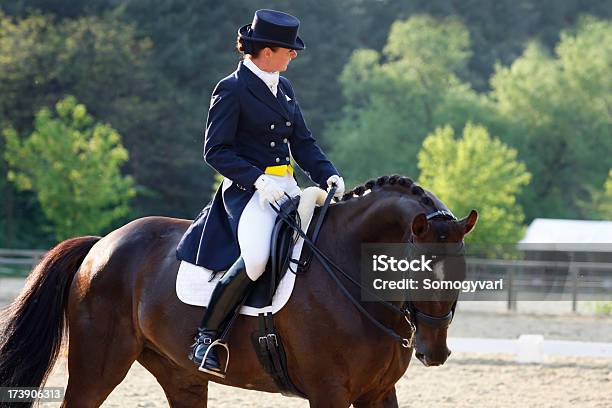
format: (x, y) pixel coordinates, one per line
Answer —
(574, 271)
(511, 305)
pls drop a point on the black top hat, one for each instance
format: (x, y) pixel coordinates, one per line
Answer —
(275, 28)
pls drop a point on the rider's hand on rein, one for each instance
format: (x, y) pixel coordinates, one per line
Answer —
(337, 181)
(268, 189)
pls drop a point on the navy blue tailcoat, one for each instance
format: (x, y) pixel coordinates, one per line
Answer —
(247, 130)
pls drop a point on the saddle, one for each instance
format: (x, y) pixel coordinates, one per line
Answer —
(267, 341)
(283, 240)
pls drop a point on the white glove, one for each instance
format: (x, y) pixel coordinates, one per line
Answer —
(268, 190)
(339, 182)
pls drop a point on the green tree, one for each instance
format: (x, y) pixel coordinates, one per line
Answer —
(476, 171)
(148, 67)
(108, 67)
(42, 59)
(561, 110)
(605, 206)
(72, 163)
(601, 205)
(396, 97)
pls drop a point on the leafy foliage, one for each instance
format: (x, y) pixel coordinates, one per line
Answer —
(72, 163)
(601, 206)
(106, 66)
(476, 171)
(147, 67)
(561, 109)
(395, 98)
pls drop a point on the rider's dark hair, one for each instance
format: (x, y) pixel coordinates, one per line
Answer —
(251, 47)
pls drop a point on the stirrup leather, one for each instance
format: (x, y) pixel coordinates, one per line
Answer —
(216, 343)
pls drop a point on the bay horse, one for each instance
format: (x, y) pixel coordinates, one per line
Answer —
(117, 296)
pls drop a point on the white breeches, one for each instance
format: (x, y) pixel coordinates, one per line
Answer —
(255, 228)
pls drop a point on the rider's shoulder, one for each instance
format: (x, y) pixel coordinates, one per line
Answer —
(228, 84)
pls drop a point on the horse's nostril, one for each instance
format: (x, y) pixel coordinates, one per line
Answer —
(421, 357)
(449, 353)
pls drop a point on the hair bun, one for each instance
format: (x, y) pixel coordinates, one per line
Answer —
(247, 46)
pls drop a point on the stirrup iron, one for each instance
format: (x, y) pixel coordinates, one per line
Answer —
(216, 343)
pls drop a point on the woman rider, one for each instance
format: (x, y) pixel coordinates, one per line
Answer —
(254, 126)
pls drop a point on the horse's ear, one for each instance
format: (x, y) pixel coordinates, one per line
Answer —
(468, 222)
(420, 225)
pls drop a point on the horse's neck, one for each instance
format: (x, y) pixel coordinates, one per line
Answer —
(375, 218)
(380, 216)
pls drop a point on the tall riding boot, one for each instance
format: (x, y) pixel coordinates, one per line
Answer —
(227, 295)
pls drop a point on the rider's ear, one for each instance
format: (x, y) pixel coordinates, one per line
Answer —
(420, 225)
(468, 222)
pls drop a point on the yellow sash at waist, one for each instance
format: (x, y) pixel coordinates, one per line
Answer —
(279, 170)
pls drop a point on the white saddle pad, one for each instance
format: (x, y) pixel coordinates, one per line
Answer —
(192, 281)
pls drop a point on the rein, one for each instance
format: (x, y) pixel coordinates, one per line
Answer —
(408, 310)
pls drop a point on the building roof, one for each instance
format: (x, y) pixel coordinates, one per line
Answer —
(568, 235)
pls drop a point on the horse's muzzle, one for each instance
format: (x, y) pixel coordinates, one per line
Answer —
(432, 361)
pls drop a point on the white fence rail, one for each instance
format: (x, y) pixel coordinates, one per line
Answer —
(521, 277)
(530, 348)
(19, 261)
(576, 279)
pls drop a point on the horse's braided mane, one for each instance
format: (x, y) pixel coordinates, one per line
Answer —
(381, 181)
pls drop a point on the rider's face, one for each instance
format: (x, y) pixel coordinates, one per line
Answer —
(277, 60)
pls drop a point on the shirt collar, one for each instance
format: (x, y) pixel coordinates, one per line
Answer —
(269, 78)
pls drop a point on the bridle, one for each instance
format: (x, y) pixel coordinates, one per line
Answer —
(420, 317)
(408, 309)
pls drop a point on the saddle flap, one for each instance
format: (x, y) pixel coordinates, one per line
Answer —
(281, 248)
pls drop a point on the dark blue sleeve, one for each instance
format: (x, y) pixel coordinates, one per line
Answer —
(221, 128)
(307, 152)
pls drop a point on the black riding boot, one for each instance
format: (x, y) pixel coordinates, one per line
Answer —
(227, 295)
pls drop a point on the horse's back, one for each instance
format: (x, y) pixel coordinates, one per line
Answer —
(121, 266)
(147, 233)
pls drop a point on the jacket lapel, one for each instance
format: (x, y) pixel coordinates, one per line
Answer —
(259, 89)
(282, 99)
